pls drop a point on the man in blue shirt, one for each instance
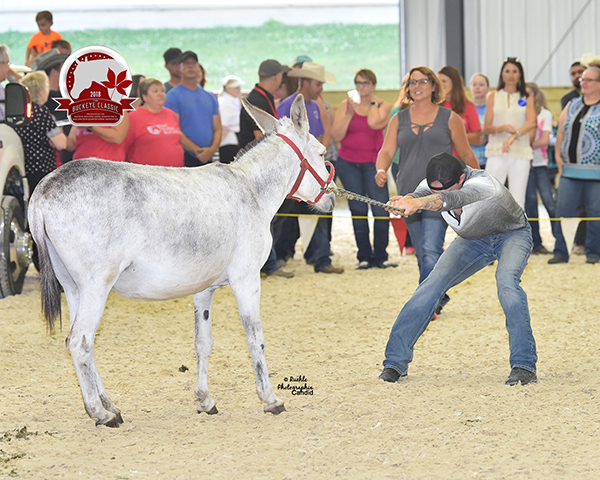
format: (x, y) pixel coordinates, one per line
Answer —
(198, 113)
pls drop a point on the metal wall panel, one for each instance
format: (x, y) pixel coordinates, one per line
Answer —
(547, 35)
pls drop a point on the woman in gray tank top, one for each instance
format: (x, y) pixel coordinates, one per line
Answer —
(420, 132)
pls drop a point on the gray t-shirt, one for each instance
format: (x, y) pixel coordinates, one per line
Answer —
(488, 208)
(416, 149)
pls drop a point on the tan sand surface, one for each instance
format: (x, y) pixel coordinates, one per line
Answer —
(451, 418)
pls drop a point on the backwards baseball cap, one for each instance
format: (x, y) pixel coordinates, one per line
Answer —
(446, 169)
(187, 54)
(49, 59)
(314, 71)
(172, 54)
(270, 68)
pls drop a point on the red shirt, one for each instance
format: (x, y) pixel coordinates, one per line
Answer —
(153, 138)
(90, 145)
(470, 118)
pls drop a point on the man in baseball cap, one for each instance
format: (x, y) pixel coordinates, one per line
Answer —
(198, 113)
(490, 226)
(172, 56)
(270, 68)
(50, 59)
(270, 77)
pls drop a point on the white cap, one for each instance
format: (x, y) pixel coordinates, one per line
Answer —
(232, 81)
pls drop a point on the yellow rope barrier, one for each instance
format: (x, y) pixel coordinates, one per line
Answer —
(581, 219)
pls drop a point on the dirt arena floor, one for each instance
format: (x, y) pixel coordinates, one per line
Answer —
(451, 418)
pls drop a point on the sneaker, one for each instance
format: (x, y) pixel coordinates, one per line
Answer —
(331, 269)
(541, 251)
(280, 273)
(390, 375)
(592, 260)
(518, 374)
(408, 251)
(387, 264)
(364, 265)
(442, 303)
(556, 259)
(578, 249)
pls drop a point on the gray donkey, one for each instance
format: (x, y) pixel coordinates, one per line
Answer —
(156, 233)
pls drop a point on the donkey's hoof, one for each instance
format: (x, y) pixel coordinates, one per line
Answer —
(275, 408)
(212, 411)
(112, 422)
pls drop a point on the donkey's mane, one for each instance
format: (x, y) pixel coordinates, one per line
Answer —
(251, 145)
(258, 140)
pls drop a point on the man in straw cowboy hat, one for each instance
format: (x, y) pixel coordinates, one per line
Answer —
(312, 77)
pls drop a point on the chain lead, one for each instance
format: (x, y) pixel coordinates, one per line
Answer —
(340, 192)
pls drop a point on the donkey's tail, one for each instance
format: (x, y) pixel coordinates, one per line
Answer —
(49, 285)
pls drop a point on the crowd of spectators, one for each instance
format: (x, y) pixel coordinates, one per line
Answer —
(178, 123)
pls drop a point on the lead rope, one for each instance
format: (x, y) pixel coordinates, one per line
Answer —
(340, 192)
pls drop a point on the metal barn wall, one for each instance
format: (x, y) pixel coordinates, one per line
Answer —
(547, 35)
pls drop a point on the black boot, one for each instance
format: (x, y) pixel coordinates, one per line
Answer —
(390, 375)
(518, 374)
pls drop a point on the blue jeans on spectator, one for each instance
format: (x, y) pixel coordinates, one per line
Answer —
(540, 182)
(317, 253)
(286, 233)
(427, 233)
(571, 192)
(360, 178)
(285, 230)
(462, 259)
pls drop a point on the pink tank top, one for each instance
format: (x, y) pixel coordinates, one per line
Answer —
(361, 143)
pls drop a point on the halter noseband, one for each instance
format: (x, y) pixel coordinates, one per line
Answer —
(304, 166)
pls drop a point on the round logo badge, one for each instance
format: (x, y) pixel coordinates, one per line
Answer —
(95, 83)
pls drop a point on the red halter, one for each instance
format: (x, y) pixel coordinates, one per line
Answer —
(304, 166)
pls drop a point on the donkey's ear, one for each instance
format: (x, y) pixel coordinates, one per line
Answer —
(265, 122)
(298, 115)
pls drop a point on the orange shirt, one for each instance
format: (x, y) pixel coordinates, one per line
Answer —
(42, 43)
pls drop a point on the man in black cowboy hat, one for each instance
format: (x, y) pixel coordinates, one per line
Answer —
(491, 226)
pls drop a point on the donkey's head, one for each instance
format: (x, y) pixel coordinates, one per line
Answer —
(309, 156)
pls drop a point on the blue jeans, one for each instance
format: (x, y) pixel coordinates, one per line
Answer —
(570, 194)
(462, 259)
(286, 230)
(360, 178)
(540, 182)
(427, 232)
(317, 253)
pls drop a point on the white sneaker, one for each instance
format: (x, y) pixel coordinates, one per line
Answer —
(364, 265)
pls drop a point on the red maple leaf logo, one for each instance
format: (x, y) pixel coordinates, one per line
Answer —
(117, 83)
